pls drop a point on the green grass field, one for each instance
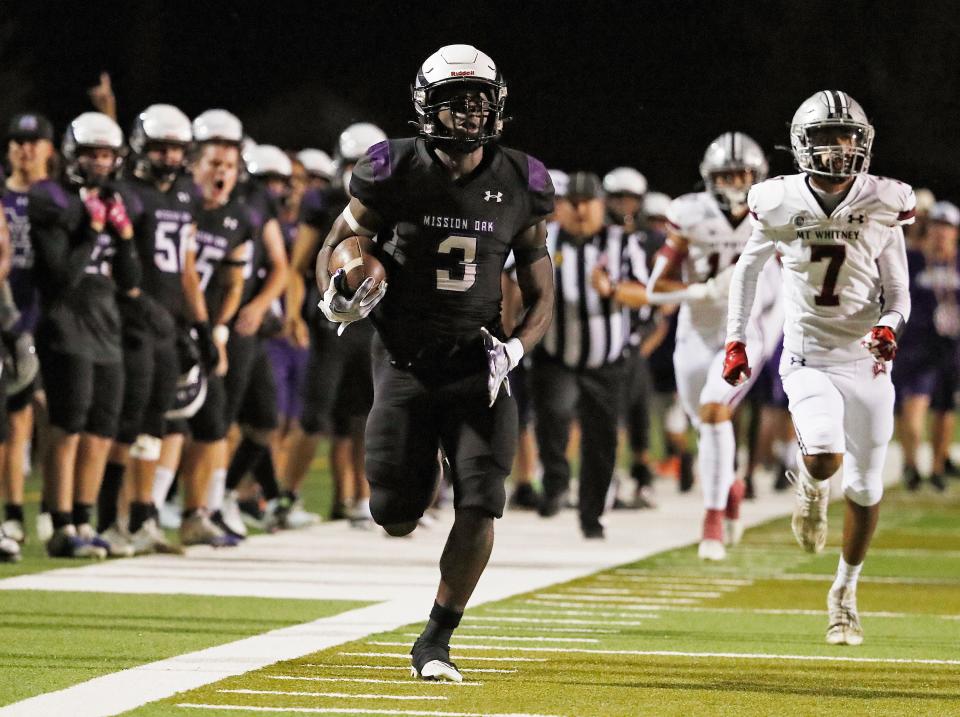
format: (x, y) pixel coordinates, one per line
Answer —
(667, 636)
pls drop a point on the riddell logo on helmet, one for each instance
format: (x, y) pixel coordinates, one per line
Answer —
(462, 73)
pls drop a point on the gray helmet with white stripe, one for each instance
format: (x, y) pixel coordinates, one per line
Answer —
(831, 136)
(733, 152)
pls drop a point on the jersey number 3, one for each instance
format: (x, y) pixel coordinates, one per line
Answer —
(836, 253)
(446, 281)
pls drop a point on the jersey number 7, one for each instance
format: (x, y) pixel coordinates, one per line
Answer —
(836, 253)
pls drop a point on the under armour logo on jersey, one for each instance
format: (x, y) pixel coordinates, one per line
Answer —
(491, 197)
(858, 218)
(183, 197)
(879, 368)
(230, 223)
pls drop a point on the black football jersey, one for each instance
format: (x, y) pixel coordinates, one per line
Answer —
(163, 224)
(77, 272)
(219, 232)
(261, 208)
(447, 239)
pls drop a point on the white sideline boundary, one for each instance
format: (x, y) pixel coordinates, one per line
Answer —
(529, 554)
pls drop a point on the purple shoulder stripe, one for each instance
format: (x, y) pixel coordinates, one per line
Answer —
(379, 156)
(537, 177)
(57, 193)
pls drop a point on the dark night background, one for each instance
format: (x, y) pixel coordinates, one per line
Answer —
(592, 84)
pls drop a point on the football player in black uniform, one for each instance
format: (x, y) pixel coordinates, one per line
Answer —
(163, 205)
(226, 232)
(339, 384)
(82, 242)
(251, 388)
(447, 207)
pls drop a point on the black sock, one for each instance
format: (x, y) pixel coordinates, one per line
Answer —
(641, 474)
(247, 455)
(82, 513)
(109, 495)
(140, 513)
(266, 474)
(44, 506)
(14, 511)
(443, 621)
(61, 519)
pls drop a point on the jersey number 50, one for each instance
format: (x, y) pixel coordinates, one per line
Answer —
(445, 279)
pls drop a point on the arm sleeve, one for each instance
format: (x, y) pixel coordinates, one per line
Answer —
(743, 285)
(127, 272)
(894, 278)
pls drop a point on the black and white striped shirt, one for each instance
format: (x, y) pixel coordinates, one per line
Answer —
(588, 331)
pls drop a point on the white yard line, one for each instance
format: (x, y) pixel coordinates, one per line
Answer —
(404, 669)
(334, 695)
(372, 680)
(544, 612)
(507, 638)
(348, 711)
(641, 592)
(542, 628)
(638, 575)
(580, 595)
(406, 656)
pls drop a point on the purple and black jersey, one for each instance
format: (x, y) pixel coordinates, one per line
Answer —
(21, 264)
(445, 240)
(164, 226)
(219, 232)
(77, 272)
(261, 207)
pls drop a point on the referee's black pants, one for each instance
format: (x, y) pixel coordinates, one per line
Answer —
(594, 396)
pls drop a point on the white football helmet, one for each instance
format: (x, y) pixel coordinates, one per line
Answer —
(266, 159)
(831, 136)
(317, 163)
(218, 126)
(656, 204)
(91, 129)
(625, 180)
(733, 152)
(466, 67)
(159, 123)
(560, 180)
(355, 140)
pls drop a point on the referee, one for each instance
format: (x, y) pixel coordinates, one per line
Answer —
(578, 368)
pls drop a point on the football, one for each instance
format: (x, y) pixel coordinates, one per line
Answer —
(355, 256)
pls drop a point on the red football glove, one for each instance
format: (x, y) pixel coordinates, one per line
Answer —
(96, 209)
(882, 343)
(118, 218)
(736, 368)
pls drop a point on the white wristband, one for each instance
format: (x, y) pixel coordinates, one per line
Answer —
(514, 349)
(221, 334)
(354, 225)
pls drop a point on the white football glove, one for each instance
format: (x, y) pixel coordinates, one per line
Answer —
(338, 308)
(501, 359)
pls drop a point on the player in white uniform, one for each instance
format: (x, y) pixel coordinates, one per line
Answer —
(838, 232)
(710, 229)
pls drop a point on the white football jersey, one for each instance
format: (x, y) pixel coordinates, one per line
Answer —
(840, 270)
(713, 245)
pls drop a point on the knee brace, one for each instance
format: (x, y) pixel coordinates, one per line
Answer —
(146, 448)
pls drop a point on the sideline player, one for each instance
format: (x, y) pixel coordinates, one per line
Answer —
(448, 207)
(838, 232)
(710, 229)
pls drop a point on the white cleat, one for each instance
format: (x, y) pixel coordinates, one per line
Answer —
(170, 516)
(13, 529)
(711, 550)
(44, 527)
(732, 532)
(150, 538)
(231, 515)
(116, 541)
(844, 627)
(9, 548)
(809, 521)
(437, 670)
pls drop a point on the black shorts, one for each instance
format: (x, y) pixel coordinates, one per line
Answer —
(21, 399)
(338, 374)
(82, 396)
(151, 368)
(410, 420)
(209, 424)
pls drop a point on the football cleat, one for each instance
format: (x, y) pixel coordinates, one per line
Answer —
(117, 547)
(9, 548)
(198, 529)
(13, 529)
(169, 516)
(844, 627)
(809, 521)
(44, 527)
(65, 543)
(431, 661)
(150, 538)
(524, 497)
(230, 514)
(938, 482)
(711, 550)
(911, 478)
